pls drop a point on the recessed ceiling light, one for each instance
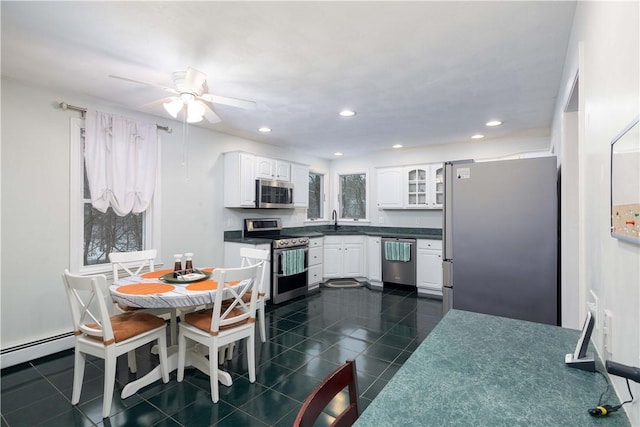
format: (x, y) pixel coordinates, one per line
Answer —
(493, 123)
(264, 129)
(477, 136)
(337, 153)
(347, 113)
(397, 146)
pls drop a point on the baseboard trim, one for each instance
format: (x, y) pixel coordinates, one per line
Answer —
(26, 352)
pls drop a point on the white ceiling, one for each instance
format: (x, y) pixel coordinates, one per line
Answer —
(417, 73)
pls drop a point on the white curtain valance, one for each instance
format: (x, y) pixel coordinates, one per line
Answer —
(121, 157)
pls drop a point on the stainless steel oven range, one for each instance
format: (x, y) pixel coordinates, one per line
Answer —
(289, 258)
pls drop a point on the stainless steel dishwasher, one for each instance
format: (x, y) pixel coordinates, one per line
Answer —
(398, 269)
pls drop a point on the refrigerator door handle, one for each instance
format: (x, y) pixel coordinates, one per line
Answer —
(447, 273)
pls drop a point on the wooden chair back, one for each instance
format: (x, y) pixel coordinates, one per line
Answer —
(330, 387)
(133, 263)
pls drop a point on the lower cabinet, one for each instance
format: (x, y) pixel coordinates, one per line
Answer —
(429, 267)
(374, 260)
(232, 258)
(314, 276)
(343, 257)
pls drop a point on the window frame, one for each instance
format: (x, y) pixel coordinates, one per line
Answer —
(323, 197)
(336, 186)
(76, 209)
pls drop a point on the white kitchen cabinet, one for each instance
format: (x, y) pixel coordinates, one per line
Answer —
(390, 188)
(429, 267)
(332, 250)
(437, 185)
(239, 180)
(315, 263)
(343, 256)
(232, 258)
(374, 260)
(300, 180)
(416, 191)
(268, 168)
(411, 187)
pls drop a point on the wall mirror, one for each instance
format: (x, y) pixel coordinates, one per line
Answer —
(625, 184)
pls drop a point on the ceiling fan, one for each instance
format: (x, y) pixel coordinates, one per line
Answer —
(192, 94)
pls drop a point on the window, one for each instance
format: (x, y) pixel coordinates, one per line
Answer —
(95, 234)
(352, 196)
(316, 196)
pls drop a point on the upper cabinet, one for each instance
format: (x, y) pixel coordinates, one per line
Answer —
(411, 187)
(239, 180)
(278, 170)
(390, 188)
(300, 180)
(437, 178)
(416, 186)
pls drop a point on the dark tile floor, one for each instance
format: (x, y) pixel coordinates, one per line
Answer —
(307, 339)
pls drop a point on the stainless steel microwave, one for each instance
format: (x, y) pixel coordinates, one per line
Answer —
(274, 194)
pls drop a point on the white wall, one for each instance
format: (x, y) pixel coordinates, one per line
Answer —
(35, 203)
(604, 49)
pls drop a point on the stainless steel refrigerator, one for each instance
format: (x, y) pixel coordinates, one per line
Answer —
(501, 238)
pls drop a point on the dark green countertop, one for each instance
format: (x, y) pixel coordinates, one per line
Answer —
(343, 230)
(480, 370)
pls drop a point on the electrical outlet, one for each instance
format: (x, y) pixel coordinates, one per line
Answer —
(607, 331)
(381, 220)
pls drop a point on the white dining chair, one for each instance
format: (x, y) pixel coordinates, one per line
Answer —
(107, 337)
(231, 319)
(252, 256)
(135, 263)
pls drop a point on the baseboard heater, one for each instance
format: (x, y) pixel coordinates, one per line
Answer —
(29, 351)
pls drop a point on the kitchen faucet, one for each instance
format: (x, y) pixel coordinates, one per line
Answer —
(334, 217)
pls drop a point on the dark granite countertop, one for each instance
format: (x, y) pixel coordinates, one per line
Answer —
(480, 370)
(343, 230)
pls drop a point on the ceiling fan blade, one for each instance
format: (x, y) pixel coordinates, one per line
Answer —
(166, 88)
(210, 115)
(159, 102)
(234, 102)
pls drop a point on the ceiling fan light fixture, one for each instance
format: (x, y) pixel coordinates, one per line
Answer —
(195, 111)
(173, 107)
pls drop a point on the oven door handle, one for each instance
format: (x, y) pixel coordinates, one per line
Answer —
(279, 251)
(282, 275)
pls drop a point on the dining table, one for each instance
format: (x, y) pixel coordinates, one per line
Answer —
(160, 289)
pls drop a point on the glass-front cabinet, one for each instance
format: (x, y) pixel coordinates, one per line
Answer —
(417, 186)
(437, 178)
